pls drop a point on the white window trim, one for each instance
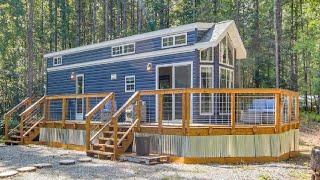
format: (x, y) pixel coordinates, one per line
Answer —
(122, 45)
(212, 55)
(174, 41)
(125, 83)
(227, 53)
(200, 85)
(55, 58)
(229, 70)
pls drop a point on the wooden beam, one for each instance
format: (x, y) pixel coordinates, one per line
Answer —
(160, 112)
(233, 112)
(63, 111)
(74, 96)
(138, 110)
(277, 113)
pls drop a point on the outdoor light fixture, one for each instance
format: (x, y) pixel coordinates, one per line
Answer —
(149, 67)
(73, 76)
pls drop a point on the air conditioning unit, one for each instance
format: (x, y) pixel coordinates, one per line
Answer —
(131, 112)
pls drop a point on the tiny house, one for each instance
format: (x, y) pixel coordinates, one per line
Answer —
(175, 85)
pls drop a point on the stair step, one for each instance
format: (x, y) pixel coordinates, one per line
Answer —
(111, 132)
(105, 139)
(12, 142)
(105, 145)
(15, 136)
(100, 152)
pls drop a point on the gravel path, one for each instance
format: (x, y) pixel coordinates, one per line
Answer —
(13, 157)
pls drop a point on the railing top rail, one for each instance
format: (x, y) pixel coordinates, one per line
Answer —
(15, 108)
(71, 96)
(115, 115)
(100, 105)
(33, 106)
(219, 90)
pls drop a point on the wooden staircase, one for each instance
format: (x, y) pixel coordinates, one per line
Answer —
(28, 128)
(114, 138)
(105, 148)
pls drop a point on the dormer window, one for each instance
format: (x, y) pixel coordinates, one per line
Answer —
(57, 61)
(123, 49)
(174, 40)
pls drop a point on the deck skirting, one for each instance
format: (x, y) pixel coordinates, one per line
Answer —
(63, 136)
(263, 146)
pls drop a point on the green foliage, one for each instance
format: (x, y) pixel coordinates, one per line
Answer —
(55, 28)
(310, 116)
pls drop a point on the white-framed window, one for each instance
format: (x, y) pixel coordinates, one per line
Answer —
(226, 77)
(174, 40)
(226, 51)
(206, 55)
(57, 61)
(206, 81)
(130, 84)
(123, 49)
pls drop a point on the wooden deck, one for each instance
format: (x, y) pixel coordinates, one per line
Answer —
(112, 136)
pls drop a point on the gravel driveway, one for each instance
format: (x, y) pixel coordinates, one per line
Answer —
(13, 157)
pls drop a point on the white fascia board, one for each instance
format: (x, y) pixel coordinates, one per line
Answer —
(127, 58)
(130, 39)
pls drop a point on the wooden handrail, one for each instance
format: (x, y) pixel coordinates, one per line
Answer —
(125, 105)
(218, 90)
(99, 105)
(15, 108)
(128, 131)
(71, 96)
(100, 131)
(89, 115)
(33, 126)
(33, 106)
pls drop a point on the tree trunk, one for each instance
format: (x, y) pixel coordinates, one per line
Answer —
(124, 17)
(139, 9)
(277, 42)
(106, 19)
(94, 23)
(118, 18)
(78, 39)
(30, 48)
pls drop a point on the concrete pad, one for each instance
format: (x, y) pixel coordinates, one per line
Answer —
(27, 169)
(67, 162)
(43, 165)
(85, 159)
(8, 173)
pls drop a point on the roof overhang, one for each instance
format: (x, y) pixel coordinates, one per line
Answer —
(220, 31)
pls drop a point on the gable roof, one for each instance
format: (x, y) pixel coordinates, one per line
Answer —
(219, 31)
(215, 33)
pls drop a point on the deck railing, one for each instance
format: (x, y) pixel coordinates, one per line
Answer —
(230, 108)
(14, 113)
(98, 112)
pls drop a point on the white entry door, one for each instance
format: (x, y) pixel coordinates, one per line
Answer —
(171, 76)
(79, 101)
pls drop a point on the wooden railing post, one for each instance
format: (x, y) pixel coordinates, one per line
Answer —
(297, 113)
(289, 108)
(277, 112)
(233, 112)
(48, 109)
(22, 118)
(160, 112)
(88, 132)
(115, 137)
(63, 112)
(186, 111)
(138, 110)
(6, 126)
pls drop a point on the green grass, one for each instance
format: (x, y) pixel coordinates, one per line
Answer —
(310, 116)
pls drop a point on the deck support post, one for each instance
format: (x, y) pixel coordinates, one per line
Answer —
(88, 133)
(115, 138)
(186, 112)
(6, 126)
(289, 108)
(138, 111)
(233, 113)
(160, 113)
(22, 118)
(63, 112)
(297, 108)
(278, 113)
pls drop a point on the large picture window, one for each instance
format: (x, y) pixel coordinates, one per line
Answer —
(206, 81)
(226, 51)
(226, 77)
